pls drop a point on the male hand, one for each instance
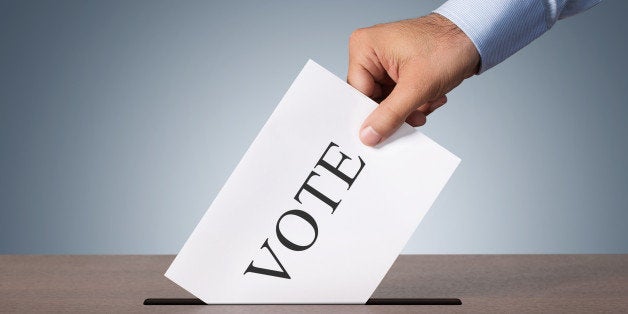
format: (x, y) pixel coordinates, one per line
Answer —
(408, 67)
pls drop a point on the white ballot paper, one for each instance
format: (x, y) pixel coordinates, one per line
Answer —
(310, 214)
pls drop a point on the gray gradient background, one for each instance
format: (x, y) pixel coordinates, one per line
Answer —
(121, 120)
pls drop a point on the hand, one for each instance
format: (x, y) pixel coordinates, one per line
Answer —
(408, 67)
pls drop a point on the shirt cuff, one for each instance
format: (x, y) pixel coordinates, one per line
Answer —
(498, 29)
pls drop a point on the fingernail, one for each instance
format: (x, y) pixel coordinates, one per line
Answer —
(369, 136)
(435, 106)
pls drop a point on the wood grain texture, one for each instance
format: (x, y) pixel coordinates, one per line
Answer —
(485, 283)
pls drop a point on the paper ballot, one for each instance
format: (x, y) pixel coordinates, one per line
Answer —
(310, 214)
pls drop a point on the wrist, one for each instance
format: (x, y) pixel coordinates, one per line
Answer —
(453, 37)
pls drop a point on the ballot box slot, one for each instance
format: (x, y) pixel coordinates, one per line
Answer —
(372, 301)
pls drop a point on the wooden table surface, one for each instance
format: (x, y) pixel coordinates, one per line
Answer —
(484, 283)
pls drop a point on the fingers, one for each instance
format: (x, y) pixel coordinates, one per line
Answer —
(361, 79)
(416, 118)
(437, 103)
(369, 78)
(366, 73)
(391, 113)
(419, 116)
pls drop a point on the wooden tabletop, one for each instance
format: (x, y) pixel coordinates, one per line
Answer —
(484, 283)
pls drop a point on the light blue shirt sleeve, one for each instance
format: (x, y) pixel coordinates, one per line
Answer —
(499, 28)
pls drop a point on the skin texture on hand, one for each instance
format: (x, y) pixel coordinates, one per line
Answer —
(407, 67)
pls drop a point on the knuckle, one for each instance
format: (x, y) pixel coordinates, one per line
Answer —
(357, 35)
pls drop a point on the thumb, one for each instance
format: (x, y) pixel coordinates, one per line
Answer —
(392, 112)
